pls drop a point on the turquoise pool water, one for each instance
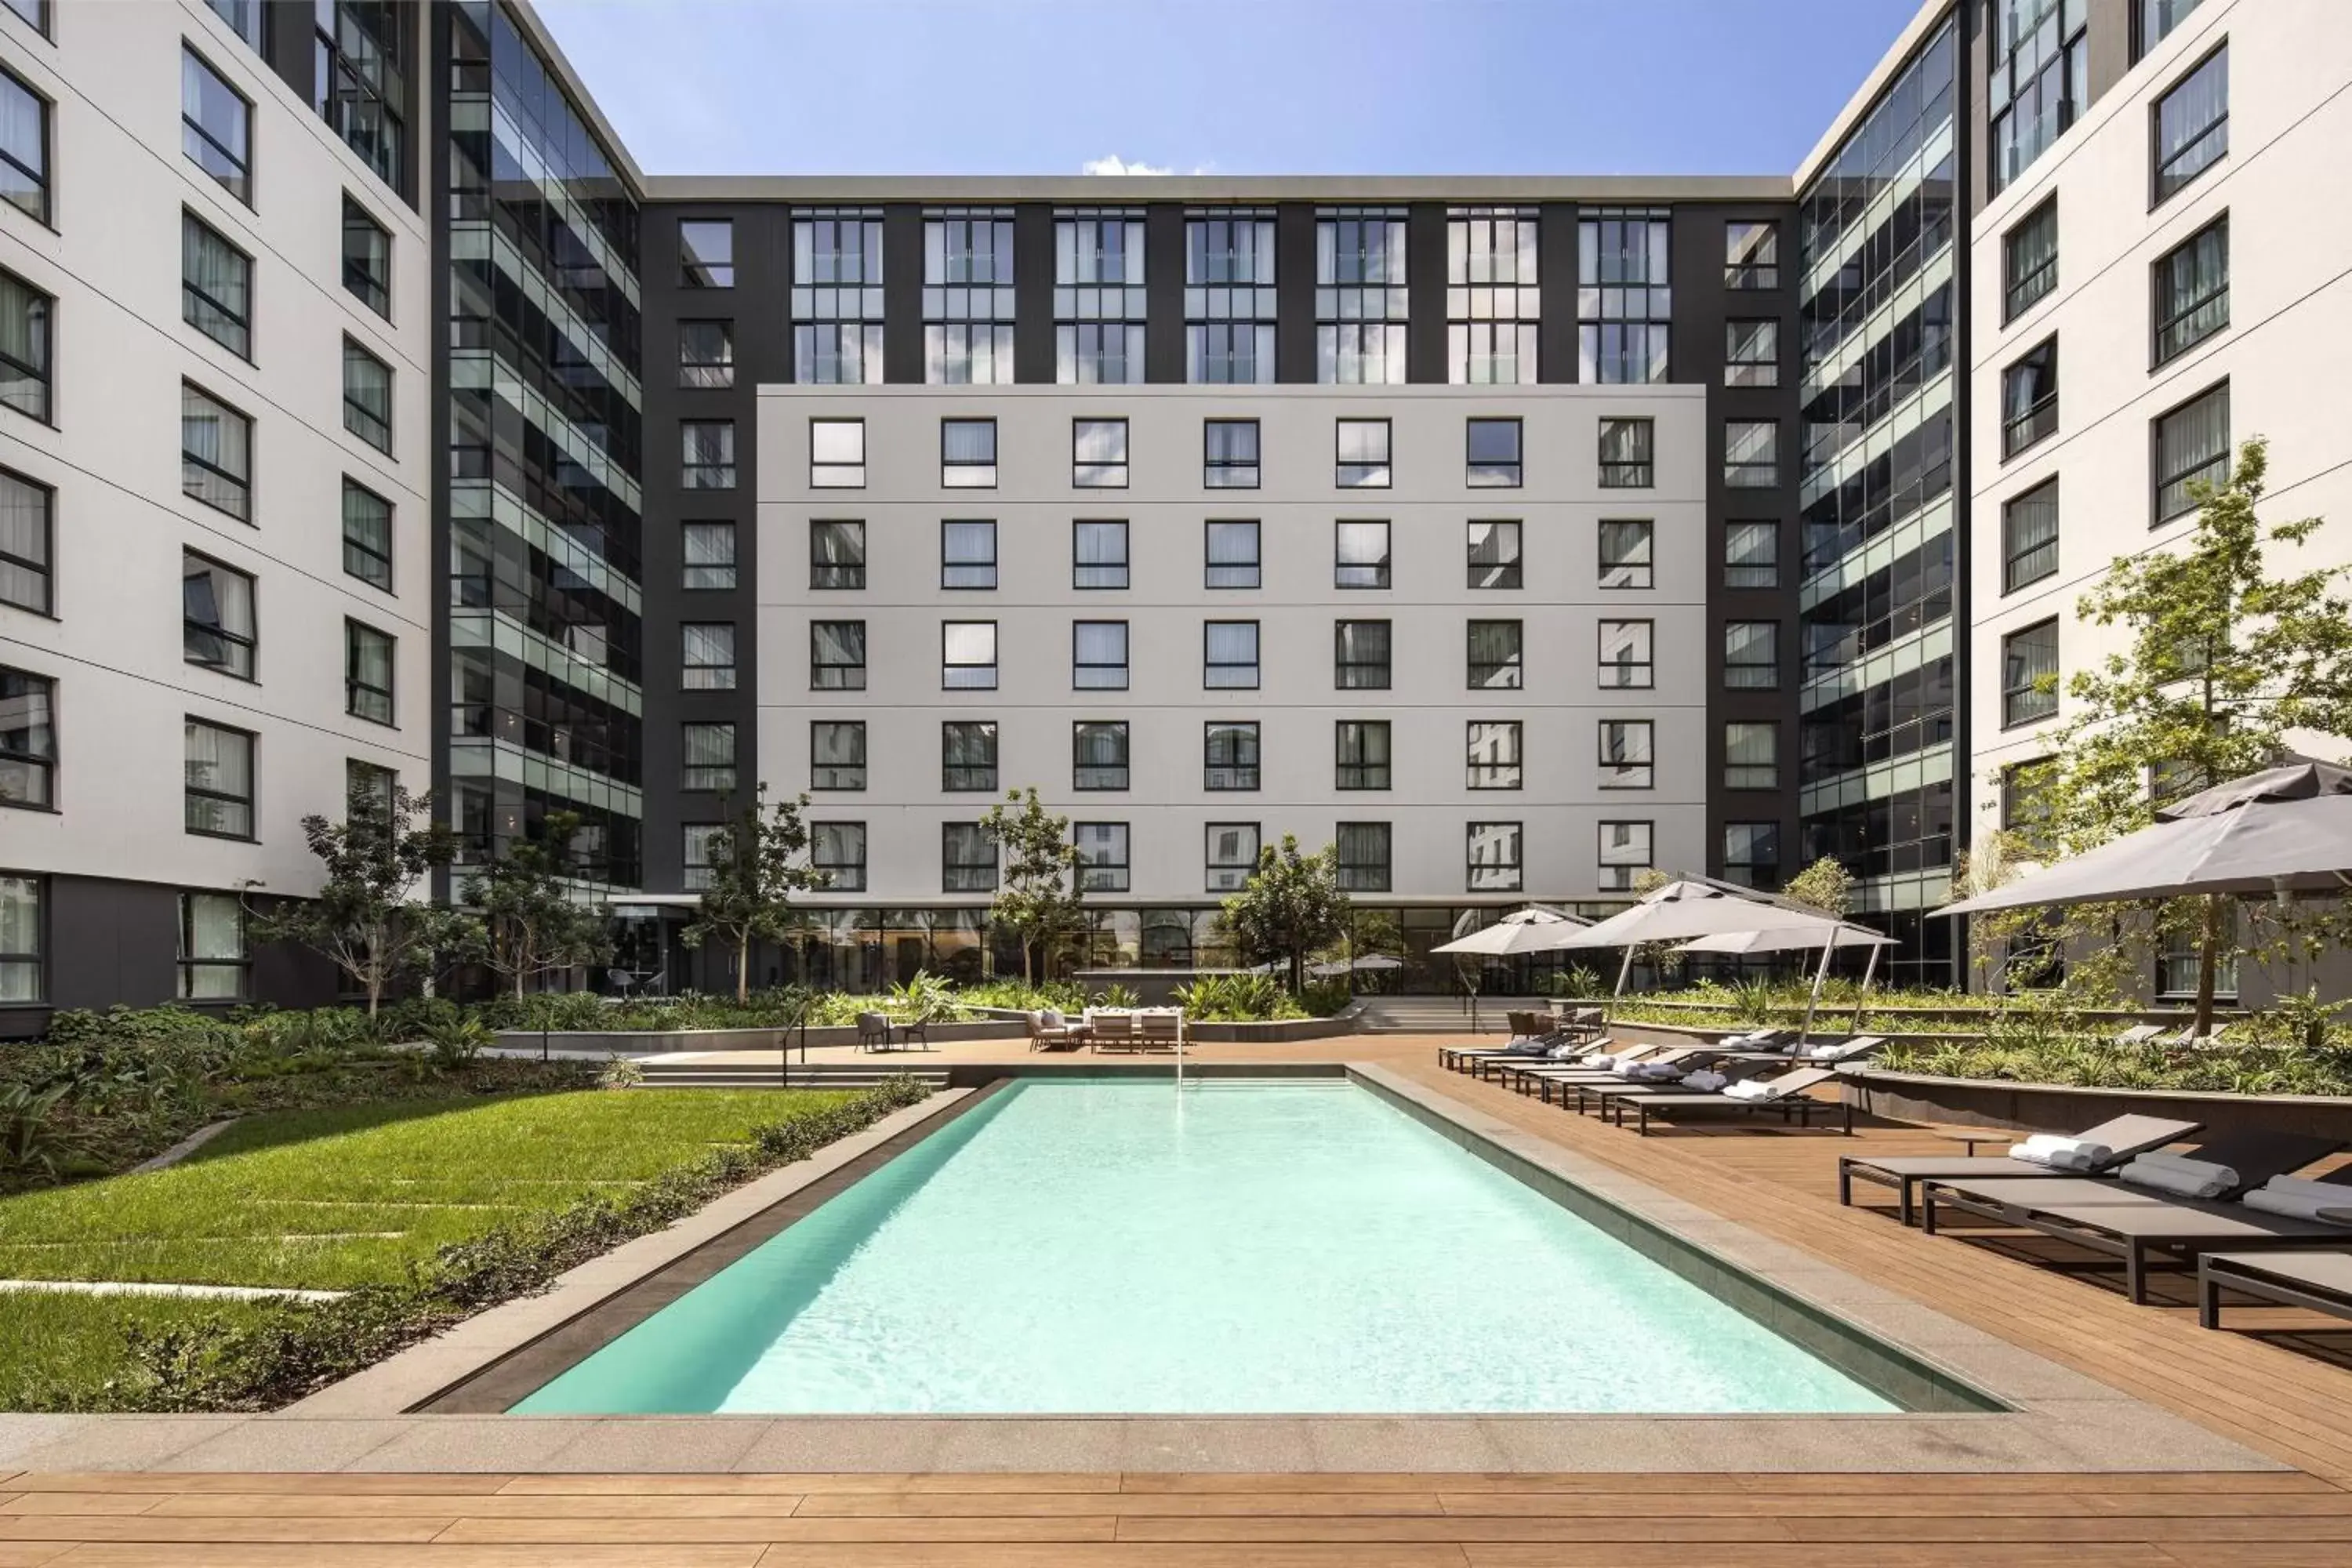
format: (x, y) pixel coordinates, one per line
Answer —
(1124, 1246)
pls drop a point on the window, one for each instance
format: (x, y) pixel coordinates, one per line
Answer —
(2028, 260)
(2029, 674)
(368, 671)
(1624, 305)
(707, 453)
(1493, 305)
(216, 126)
(367, 259)
(1102, 856)
(968, 297)
(706, 354)
(1359, 555)
(2156, 19)
(2179, 965)
(968, 454)
(1495, 555)
(2192, 446)
(1363, 454)
(967, 656)
(215, 286)
(836, 754)
(27, 540)
(1751, 354)
(1232, 856)
(705, 252)
(837, 849)
(1624, 855)
(1751, 555)
(23, 146)
(968, 756)
(836, 296)
(1231, 555)
(367, 396)
(836, 656)
(1626, 553)
(2192, 125)
(215, 453)
(368, 786)
(219, 782)
(1494, 747)
(1494, 454)
(709, 555)
(1751, 854)
(213, 960)
(1097, 554)
(1360, 656)
(707, 661)
(35, 14)
(1098, 454)
(367, 536)
(1751, 756)
(24, 346)
(2028, 398)
(1625, 661)
(1362, 761)
(1627, 761)
(2039, 79)
(1627, 459)
(1229, 656)
(836, 454)
(967, 555)
(697, 840)
(2192, 290)
(706, 758)
(1751, 655)
(1495, 863)
(1229, 454)
(1364, 857)
(1098, 298)
(1229, 756)
(1099, 755)
(1099, 656)
(837, 553)
(1494, 652)
(219, 630)
(967, 859)
(28, 739)
(1752, 255)
(1751, 454)
(21, 970)
(1361, 298)
(2029, 536)
(1229, 298)
(357, 79)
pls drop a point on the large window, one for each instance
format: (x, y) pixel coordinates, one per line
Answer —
(1361, 761)
(367, 396)
(2028, 259)
(2039, 78)
(706, 354)
(706, 454)
(24, 315)
(2192, 446)
(2190, 291)
(1628, 453)
(967, 656)
(2029, 536)
(28, 542)
(1365, 857)
(968, 297)
(967, 859)
(837, 754)
(1752, 255)
(1751, 454)
(1496, 649)
(1493, 449)
(1102, 849)
(2029, 674)
(1495, 749)
(1624, 855)
(2155, 20)
(968, 454)
(219, 630)
(23, 146)
(1231, 551)
(21, 970)
(1624, 296)
(1229, 756)
(215, 286)
(1099, 656)
(836, 656)
(1359, 555)
(215, 453)
(837, 553)
(836, 454)
(836, 296)
(1495, 560)
(1229, 454)
(1751, 854)
(706, 555)
(1229, 656)
(1628, 554)
(2028, 398)
(1751, 354)
(1099, 297)
(1098, 454)
(1361, 299)
(967, 555)
(367, 259)
(706, 758)
(214, 958)
(1363, 447)
(219, 781)
(1627, 758)
(368, 664)
(695, 842)
(1360, 656)
(358, 72)
(837, 851)
(1751, 756)
(707, 657)
(1494, 854)
(968, 756)
(1232, 856)
(1625, 655)
(1098, 758)
(1751, 555)
(216, 126)
(1229, 297)
(1099, 554)
(2192, 125)
(705, 252)
(1493, 305)
(1751, 655)
(28, 739)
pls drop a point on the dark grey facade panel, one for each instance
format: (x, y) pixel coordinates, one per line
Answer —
(1556, 275)
(1425, 273)
(1294, 275)
(1032, 293)
(1163, 291)
(902, 296)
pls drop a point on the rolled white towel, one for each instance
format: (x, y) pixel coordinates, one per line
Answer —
(1751, 1089)
(1601, 1063)
(1651, 1072)
(2293, 1205)
(1706, 1079)
(1565, 1053)
(2342, 1216)
(2332, 1192)
(2212, 1184)
(2061, 1153)
(2201, 1170)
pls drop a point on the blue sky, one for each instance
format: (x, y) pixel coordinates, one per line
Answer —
(1233, 87)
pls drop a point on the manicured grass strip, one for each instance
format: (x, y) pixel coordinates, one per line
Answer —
(53, 1342)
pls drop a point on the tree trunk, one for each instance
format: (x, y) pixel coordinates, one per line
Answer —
(743, 971)
(1297, 972)
(2208, 948)
(1028, 976)
(375, 990)
(519, 968)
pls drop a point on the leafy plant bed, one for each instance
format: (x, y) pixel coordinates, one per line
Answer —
(2102, 1064)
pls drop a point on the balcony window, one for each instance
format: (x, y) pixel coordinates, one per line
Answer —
(836, 296)
(1229, 298)
(968, 297)
(1493, 303)
(1099, 297)
(1360, 296)
(1624, 297)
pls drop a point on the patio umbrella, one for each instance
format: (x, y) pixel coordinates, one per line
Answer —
(1697, 907)
(1530, 930)
(1794, 938)
(1331, 968)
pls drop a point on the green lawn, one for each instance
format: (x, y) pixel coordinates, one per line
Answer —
(49, 1343)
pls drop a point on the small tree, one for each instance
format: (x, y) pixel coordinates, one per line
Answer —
(1038, 896)
(758, 861)
(1823, 886)
(1290, 906)
(365, 919)
(532, 926)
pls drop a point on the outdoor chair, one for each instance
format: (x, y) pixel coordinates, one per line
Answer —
(1049, 1031)
(1111, 1030)
(1161, 1028)
(873, 1031)
(1785, 1094)
(2319, 1282)
(2122, 1136)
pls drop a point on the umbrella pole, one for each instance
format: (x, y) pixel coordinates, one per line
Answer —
(1619, 995)
(1805, 1034)
(1862, 999)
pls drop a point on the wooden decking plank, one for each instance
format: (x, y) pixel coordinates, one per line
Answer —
(1766, 1554)
(805, 1482)
(338, 1482)
(1631, 1526)
(587, 1509)
(149, 1527)
(909, 1505)
(279, 1555)
(1144, 1554)
(1915, 1527)
(659, 1531)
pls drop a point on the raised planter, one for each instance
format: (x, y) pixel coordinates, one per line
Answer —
(654, 1042)
(1272, 1034)
(2057, 1107)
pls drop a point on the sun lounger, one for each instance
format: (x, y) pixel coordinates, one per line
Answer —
(1566, 1054)
(2125, 1136)
(2319, 1281)
(1458, 1059)
(1788, 1097)
(1529, 1078)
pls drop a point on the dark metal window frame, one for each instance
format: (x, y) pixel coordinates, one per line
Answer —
(1752, 275)
(1111, 777)
(965, 778)
(1125, 666)
(2037, 560)
(1352, 766)
(44, 569)
(1493, 473)
(2020, 704)
(1342, 667)
(1611, 769)
(191, 793)
(947, 668)
(1210, 667)
(2038, 421)
(1516, 866)
(686, 669)
(852, 675)
(704, 777)
(1377, 572)
(953, 470)
(1211, 865)
(1211, 565)
(1479, 672)
(1742, 366)
(250, 644)
(358, 280)
(1121, 467)
(1617, 877)
(1647, 668)
(194, 301)
(45, 763)
(366, 423)
(843, 874)
(1515, 730)
(687, 566)
(1385, 469)
(836, 776)
(366, 552)
(716, 474)
(1365, 875)
(2020, 294)
(2160, 192)
(1097, 871)
(1638, 574)
(967, 859)
(1225, 473)
(1769, 667)
(821, 472)
(1507, 572)
(356, 634)
(1769, 576)
(1737, 474)
(978, 569)
(241, 484)
(2162, 353)
(2161, 481)
(697, 272)
(38, 178)
(1079, 567)
(244, 166)
(1234, 774)
(828, 575)
(1639, 473)
(187, 967)
(1762, 873)
(700, 371)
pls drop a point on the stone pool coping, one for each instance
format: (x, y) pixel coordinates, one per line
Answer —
(2057, 1420)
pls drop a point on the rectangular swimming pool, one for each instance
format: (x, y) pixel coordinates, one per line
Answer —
(1232, 1247)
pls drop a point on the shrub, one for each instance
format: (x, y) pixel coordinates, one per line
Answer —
(457, 1041)
(1117, 995)
(620, 1072)
(1237, 999)
(1326, 998)
(32, 1147)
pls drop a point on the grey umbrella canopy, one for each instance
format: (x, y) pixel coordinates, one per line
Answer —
(1531, 930)
(1696, 907)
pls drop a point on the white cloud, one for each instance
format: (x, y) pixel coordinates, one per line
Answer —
(1115, 164)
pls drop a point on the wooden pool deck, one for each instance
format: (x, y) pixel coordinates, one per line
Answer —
(2280, 1382)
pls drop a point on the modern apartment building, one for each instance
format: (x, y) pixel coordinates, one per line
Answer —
(1511, 534)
